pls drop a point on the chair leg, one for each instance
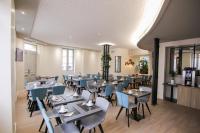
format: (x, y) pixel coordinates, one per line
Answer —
(143, 110)
(90, 131)
(81, 129)
(41, 125)
(94, 130)
(148, 108)
(128, 116)
(138, 106)
(119, 112)
(101, 129)
(126, 112)
(46, 129)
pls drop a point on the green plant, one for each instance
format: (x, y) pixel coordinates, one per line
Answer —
(105, 60)
(142, 66)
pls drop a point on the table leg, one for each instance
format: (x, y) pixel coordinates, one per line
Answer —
(172, 90)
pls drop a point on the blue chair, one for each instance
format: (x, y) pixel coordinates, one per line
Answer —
(119, 88)
(41, 94)
(123, 101)
(96, 119)
(107, 93)
(50, 114)
(63, 128)
(144, 100)
(66, 80)
(82, 85)
(58, 90)
(125, 84)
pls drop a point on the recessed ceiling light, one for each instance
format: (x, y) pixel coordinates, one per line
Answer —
(22, 12)
(106, 43)
(22, 29)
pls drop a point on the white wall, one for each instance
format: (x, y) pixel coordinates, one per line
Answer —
(49, 63)
(162, 61)
(7, 71)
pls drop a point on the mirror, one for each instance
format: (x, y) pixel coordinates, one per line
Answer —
(117, 64)
(187, 57)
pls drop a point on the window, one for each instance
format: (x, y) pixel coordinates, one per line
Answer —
(30, 47)
(68, 59)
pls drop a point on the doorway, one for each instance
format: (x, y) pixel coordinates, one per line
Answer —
(30, 62)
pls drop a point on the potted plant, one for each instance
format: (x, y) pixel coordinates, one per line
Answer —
(105, 59)
(142, 66)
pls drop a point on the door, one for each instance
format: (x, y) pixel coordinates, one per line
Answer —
(30, 62)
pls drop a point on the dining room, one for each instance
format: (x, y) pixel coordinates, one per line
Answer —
(113, 66)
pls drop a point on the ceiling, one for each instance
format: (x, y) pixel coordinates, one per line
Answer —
(80, 23)
(179, 20)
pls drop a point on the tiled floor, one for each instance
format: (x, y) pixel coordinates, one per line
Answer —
(166, 118)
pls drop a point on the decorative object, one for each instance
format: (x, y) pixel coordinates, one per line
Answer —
(106, 58)
(129, 62)
(117, 64)
(142, 66)
(19, 55)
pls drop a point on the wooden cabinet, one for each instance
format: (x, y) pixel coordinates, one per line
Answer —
(195, 98)
(184, 95)
(188, 96)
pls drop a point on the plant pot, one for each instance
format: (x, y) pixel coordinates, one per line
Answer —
(172, 81)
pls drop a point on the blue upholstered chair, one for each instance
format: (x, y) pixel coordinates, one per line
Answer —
(63, 128)
(38, 92)
(50, 114)
(144, 100)
(125, 84)
(107, 93)
(96, 119)
(58, 90)
(123, 101)
(66, 80)
(119, 88)
(82, 85)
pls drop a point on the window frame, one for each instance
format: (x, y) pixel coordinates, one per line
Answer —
(66, 66)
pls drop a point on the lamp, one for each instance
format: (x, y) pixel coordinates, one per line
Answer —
(129, 62)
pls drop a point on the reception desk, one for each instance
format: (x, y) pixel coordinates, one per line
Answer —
(188, 96)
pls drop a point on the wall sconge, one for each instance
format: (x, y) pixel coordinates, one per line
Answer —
(129, 62)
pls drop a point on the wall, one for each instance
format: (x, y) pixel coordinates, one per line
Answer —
(124, 53)
(162, 61)
(7, 71)
(49, 63)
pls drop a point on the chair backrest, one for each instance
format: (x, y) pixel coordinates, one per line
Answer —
(65, 77)
(145, 98)
(58, 90)
(47, 121)
(122, 99)
(102, 103)
(83, 83)
(56, 78)
(86, 95)
(39, 103)
(38, 92)
(119, 87)
(125, 83)
(90, 84)
(109, 89)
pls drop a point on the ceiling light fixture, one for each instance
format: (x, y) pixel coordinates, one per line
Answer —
(106, 43)
(151, 12)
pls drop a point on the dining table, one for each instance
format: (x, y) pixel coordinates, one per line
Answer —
(136, 94)
(63, 99)
(76, 111)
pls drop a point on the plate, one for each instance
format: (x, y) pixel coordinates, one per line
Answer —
(69, 114)
(89, 105)
(63, 111)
